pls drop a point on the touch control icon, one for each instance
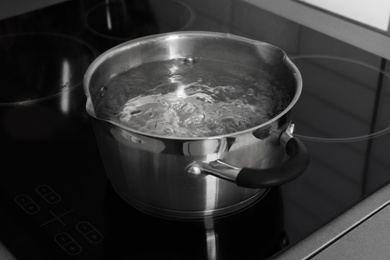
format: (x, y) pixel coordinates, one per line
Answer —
(89, 232)
(53, 215)
(48, 194)
(27, 204)
(67, 243)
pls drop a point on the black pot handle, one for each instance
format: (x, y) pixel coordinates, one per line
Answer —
(290, 169)
(293, 167)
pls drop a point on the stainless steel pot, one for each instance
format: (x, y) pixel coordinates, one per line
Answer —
(203, 176)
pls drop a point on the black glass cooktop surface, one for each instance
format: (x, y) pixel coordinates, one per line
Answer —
(55, 199)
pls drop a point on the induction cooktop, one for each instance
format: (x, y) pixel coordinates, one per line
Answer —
(55, 199)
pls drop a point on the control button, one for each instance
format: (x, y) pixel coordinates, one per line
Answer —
(72, 248)
(94, 237)
(52, 198)
(67, 243)
(31, 208)
(63, 239)
(84, 227)
(23, 199)
(27, 204)
(48, 194)
(43, 189)
(89, 232)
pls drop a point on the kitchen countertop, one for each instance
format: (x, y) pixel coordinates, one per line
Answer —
(369, 240)
(363, 232)
(9, 8)
(5, 253)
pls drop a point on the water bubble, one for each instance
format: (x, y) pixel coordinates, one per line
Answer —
(189, 60)
(137, 112)
(250, 91)
(168, 130)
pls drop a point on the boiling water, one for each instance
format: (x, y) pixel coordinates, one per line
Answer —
(191, 98)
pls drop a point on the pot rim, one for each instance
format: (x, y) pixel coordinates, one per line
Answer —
(167, 36)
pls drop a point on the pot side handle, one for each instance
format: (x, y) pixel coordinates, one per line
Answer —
(293, 167)
(290, 169)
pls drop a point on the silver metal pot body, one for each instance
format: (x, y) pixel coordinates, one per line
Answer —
(190, 177)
